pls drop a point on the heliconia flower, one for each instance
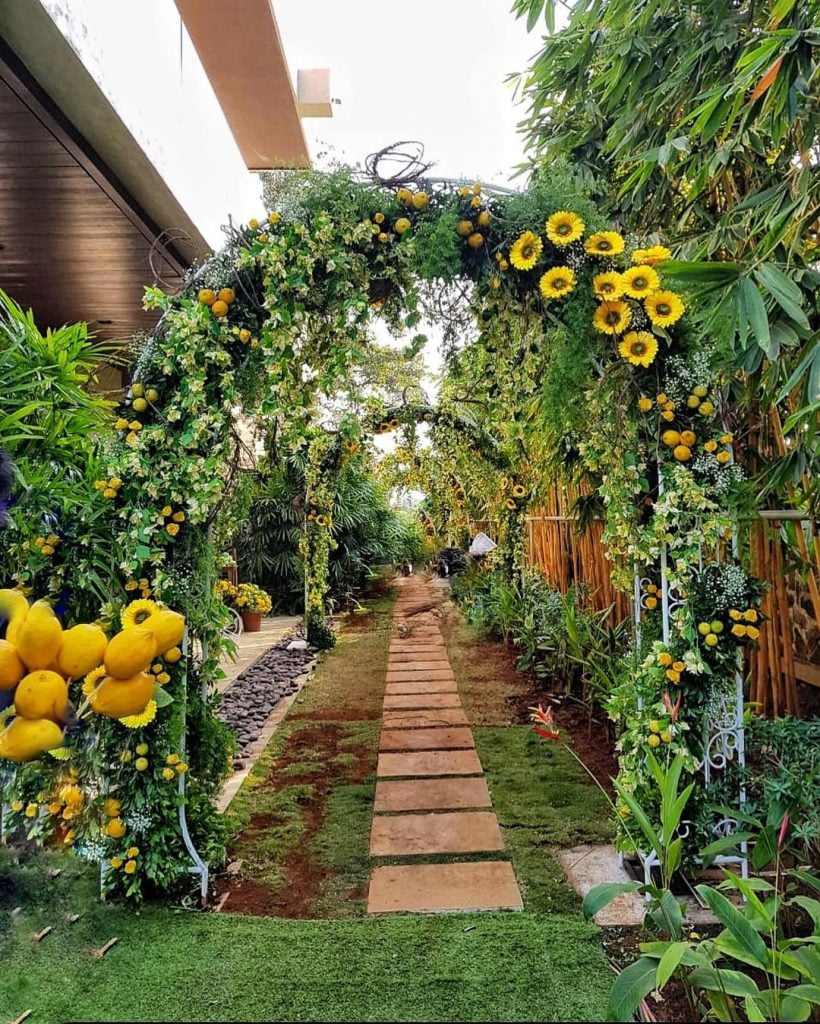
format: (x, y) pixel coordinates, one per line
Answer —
(784, 828)
(671, 708)
(546, 729)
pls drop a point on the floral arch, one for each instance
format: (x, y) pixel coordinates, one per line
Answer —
(566, 315)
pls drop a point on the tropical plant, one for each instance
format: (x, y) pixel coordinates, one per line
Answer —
(59, 540)
(700, 119)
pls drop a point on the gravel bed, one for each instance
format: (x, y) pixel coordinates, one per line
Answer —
(252, 696)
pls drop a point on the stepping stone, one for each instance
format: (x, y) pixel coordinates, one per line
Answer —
(408, 701)
(419, 835)
(419, 648)
(423, 685)
(456, 738)
(425, 763)
(424, 719)
(410, 675)
(433, 888)
(418, 663)
(431, 795)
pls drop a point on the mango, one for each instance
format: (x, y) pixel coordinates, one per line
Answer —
(42, 694)
(166, 627)
(129, 652)
(39, 637)
(118, 698)
(12, 668)
(24, 738)
(14, 607)
(82, 649)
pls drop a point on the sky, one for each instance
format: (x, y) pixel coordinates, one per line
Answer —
(431, 70)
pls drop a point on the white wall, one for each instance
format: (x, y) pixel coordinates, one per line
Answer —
(143, 60)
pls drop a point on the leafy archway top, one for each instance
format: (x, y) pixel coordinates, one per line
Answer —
(276, 323)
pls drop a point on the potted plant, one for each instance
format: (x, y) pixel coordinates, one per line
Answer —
(252, 603)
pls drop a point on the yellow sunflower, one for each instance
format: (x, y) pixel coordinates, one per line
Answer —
(510, 504)
(605, 243)
(664, 308)
(656, 254)
(608, 285)
(519, 490)
(92, 680)
(146, 716)
(137, 612)
(557, 281)
(564, 227)
(640, 281)
(639, 348)
(526, 250)
(612, 317)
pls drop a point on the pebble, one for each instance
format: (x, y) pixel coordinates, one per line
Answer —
(252, 696)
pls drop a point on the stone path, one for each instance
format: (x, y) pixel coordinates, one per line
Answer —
(431, 795)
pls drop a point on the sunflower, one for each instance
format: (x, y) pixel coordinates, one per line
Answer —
(656, 254)
(92, 680)
(519, 491)
(605, 243)
(146, 716)
(612, 317)
(640, 281)
(639, 348)
(664, 308)
(526, 250)
(510, 504)
(608, 285)
(564, 227)
(557, 282)
(137, 612)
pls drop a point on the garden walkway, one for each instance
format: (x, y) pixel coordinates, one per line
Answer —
(431, 796)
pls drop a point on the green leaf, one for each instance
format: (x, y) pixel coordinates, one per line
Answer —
(162, 697)
(811, 993)
(736, 924)
(733, 983)
(758, 318)
(784, 291)
(601, 895)
(632, 985)
(669, 962)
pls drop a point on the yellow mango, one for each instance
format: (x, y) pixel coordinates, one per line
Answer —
(25, 738)
(12, 668)
(42, 694)
(166, 627)
(129, 652)
(82, 649)
(38, 639)
(118, 698)
(14, 607)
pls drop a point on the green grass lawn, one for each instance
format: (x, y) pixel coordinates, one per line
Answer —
(308, 803)
(220, 967)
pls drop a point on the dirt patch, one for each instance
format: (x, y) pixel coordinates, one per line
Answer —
(591, 739)
(622, 947)
(322, 760)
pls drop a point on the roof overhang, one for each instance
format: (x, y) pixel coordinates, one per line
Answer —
(241, 51)
(37, 42)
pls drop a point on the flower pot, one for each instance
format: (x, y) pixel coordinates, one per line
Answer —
(251, 621)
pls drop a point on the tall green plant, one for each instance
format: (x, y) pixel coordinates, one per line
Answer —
(51, 424)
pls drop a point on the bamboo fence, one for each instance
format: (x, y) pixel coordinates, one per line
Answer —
(789, 647)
